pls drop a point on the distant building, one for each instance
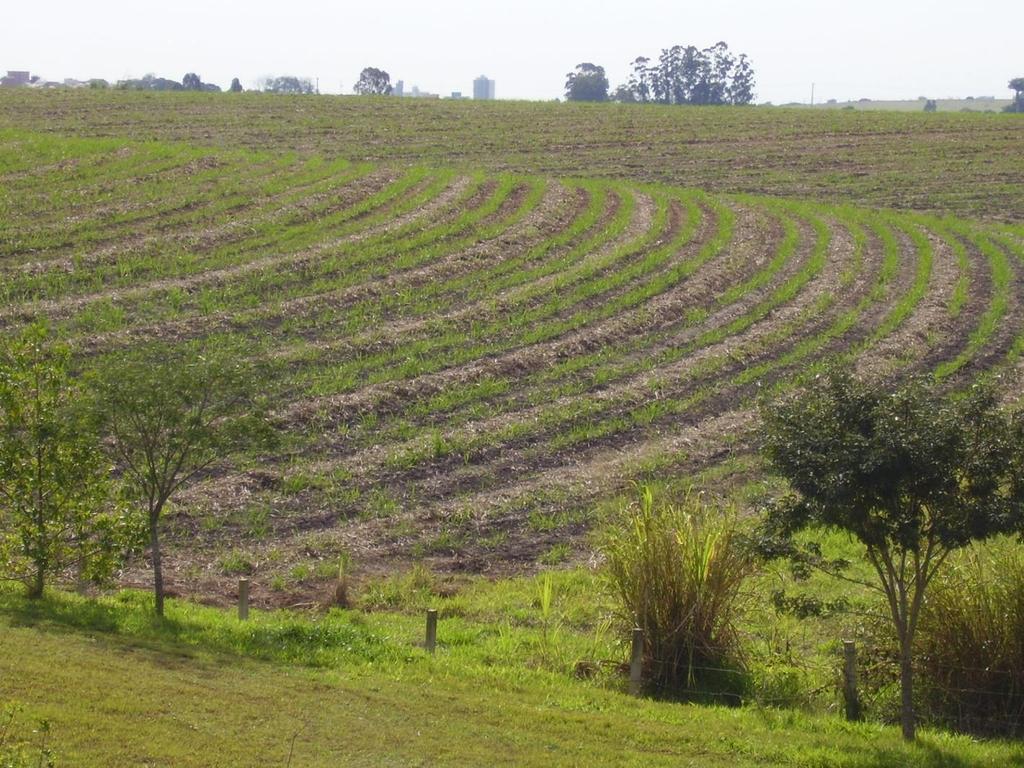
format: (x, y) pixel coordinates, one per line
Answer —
(456, 95)
(15, 79)
(483, 89)
(413, 93)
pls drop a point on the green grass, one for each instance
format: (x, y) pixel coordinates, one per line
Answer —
(203, 689)
(439, 339)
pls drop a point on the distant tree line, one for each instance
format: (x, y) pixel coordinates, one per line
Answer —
(287, 84)
(681, 75)
(190, 82)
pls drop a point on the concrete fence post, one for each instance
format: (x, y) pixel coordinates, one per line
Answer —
(431, 641)
(850, 695)
(636, 662)
(243, 599)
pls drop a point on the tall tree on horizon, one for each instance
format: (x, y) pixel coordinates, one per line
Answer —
(587, 82)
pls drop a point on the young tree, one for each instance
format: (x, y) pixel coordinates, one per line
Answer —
(587, 83)
(373, 82)
(56, 494)
(171, 413)
(910, 474)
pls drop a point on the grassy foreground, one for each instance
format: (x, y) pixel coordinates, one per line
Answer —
(202, 689)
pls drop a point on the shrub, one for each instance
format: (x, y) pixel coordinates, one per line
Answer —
(677, 570)
(971, 651)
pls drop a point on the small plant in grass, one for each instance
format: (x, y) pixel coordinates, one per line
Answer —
(342, 598)
(558, 554)
(408, 591)
(236, 564)
(545, 604)
(677, 570)
(18, 752)
(971, 643)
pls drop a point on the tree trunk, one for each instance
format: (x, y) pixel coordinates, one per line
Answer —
(906, 689)
(158, 574)
(35, 589)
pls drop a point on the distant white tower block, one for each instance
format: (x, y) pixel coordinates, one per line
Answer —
(483, 89)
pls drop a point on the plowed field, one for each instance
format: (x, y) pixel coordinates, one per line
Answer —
(464, 363)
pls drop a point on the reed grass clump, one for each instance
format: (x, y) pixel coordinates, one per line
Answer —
(970, 656)
(677, 570)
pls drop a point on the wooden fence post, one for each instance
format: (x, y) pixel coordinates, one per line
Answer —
(636, 662)
(850, 695)
(431, 641)
(243, 599)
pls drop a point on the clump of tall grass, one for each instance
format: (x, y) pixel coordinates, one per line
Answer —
(970, 656)
(677, 570)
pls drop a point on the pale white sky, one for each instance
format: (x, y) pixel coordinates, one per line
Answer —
(882, 49)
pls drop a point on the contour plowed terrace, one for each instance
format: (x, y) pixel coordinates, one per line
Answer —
(463, 363)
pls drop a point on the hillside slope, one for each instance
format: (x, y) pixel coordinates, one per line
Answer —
(462, 364)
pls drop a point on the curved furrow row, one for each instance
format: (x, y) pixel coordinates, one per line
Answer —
(124, 196)
(576, 419)
(344, 269)
(187, 247)
(203, 273)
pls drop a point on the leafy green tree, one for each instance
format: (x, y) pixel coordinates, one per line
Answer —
(149, 82)
(373, 82)
(288, 84)
(191, 82)
(587, 83)
(1017, 86)
(236, 86)
(57, 507)
(741, 87)
(171, 413)
(640, 80)
(623, 94)
(910, 474)
(688, 75)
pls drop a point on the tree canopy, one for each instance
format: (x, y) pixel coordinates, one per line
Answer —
(171, 413)
(688, 75)
(1017, 86)
(287, 84)
(58, 508)
(909, 473)
(373, 82)
(587, 82)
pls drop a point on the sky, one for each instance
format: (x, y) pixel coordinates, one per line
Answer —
(878, 49)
